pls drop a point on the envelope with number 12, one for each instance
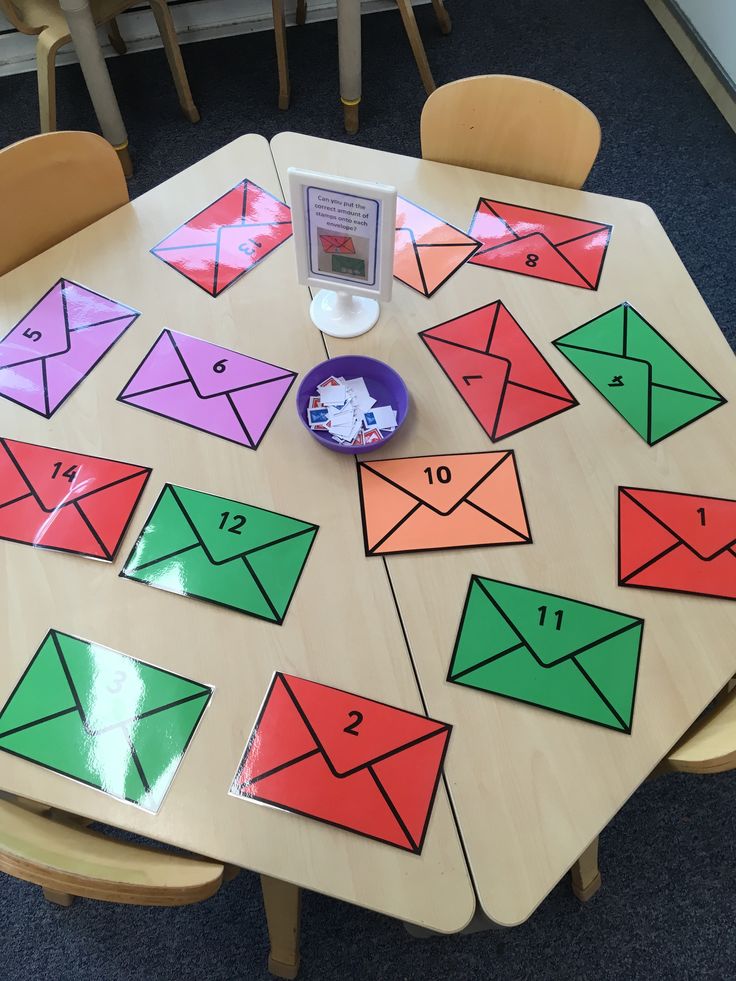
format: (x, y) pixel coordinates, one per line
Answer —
(431, 502)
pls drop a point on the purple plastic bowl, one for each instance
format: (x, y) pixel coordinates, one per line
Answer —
(385, 385)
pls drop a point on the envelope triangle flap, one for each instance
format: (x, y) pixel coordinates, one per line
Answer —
(377, 729)
(528, 365)
(85, 308)
(612, 667)
(215, 370)
(262, 206)
(604, 333)
(471, 330)
(226, 210)
(279, 736)
(161, 367)
(42, 691)
(428, 228)
(554, 627)
(41, 333)
(531, 221)
(706, 524)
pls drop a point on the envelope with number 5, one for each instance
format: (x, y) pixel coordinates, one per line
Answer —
(345, 760)
(432, 502)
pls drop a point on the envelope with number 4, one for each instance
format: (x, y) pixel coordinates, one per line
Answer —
(345, 760)
(431, 502)
(682, 542)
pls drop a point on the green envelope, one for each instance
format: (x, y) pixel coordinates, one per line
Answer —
(234, 554)
(548, 650)
(635, 369)
(102, 718)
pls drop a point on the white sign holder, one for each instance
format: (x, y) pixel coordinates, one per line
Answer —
(344, 234)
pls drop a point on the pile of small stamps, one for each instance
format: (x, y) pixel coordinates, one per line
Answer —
(346, 410)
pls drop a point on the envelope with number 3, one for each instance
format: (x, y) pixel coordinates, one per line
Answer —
(345, 760)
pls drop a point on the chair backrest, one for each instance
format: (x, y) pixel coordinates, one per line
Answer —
(510, 125)
(51, 186)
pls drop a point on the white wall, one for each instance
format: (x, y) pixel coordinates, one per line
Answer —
(715, 22)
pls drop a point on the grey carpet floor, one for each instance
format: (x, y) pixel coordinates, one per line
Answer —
(669, 858)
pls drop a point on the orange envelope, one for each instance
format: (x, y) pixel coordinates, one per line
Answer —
(339, 244)
(427, 249)
(461, 500)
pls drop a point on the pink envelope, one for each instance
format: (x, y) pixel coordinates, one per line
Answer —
(208, 387)
(57, 344)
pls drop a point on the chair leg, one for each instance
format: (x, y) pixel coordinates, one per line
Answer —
(115, 38)
(443, 18)
(173, 55)
(46, 47)
(282, 902)
(417, 46)
(301, 12)
(58, 898)
(585, 874)
(279, 30)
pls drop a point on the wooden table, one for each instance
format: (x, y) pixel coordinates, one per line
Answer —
(363, 650)
(531, 788)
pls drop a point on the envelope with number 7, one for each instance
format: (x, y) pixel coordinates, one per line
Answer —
(233, 554)
(547, 650)
(345, 760)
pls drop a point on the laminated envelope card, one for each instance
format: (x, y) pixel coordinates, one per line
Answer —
(547, 650)
(66, 501)
(217, 549)
(337, 244)
(57, 344)
(427, 249)
(103, 718)
(540, 244)
(681, 542)
(226, 239)
(497, 371)
(209, 387)
(453, 501)
(343, 759)
(642, 376)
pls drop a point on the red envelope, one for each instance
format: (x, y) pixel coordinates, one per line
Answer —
(345, 760)
(681, 542)
(340, 244)
(498, 372)
(230, 236)
(540, 243)
(66, 501)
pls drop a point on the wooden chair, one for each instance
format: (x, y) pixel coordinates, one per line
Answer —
(46, 19)
(57, 852)
(51, 186)
(709, 746)
(510, 125)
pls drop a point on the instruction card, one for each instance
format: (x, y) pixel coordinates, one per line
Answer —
(66, 501)
(540, 244)
(226, 239)
(208, 387)
(431, 502)
(57, 344)
(427, 249)
(216, 549)
(548, 650)
(497, 371)
(639, 373)
(102, 718)
(348, 761)
(681, 542)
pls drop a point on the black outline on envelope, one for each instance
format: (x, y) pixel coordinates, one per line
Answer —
(638, 622)
(368, 465)
(245, 183)
(108, 557)
(445, 727)
(434, 245)
(54, 634)
(520, 238)
(278, 619)
(493, 436)
(69, 330)
(251, 445)
(730, 547)
(626, 306)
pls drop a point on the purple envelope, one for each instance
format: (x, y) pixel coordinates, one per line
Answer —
(56, 345)
(209, 387)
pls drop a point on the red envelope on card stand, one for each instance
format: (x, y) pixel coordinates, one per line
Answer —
(345, 760)
(337, 244)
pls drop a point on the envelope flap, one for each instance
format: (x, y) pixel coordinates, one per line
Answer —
(427, 228)
(262, 207)
(604, 333)
(215, 370)
(554, 627)
(229, 529)
(707, 525)
(85, 308)
(226, 210)
(530, 221)
(42, 691)
(354, 731)
(472, 330)
(440, 482)
(41, 333)
(61, 477)
(528, 366)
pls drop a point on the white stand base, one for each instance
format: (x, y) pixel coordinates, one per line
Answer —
(341, 314)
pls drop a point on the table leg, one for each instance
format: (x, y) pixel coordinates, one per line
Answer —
(348, 45)
(99, 86)
(282, 902)
(585, 874)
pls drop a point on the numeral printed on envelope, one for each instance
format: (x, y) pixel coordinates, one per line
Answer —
(701, 512)
(32, 335)
(444, 475)
(238, 522)
(559, 614)
(531, 259)
(70, 473)
(358, 718)
(118, 681)
(246, 248)
(219, 366)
